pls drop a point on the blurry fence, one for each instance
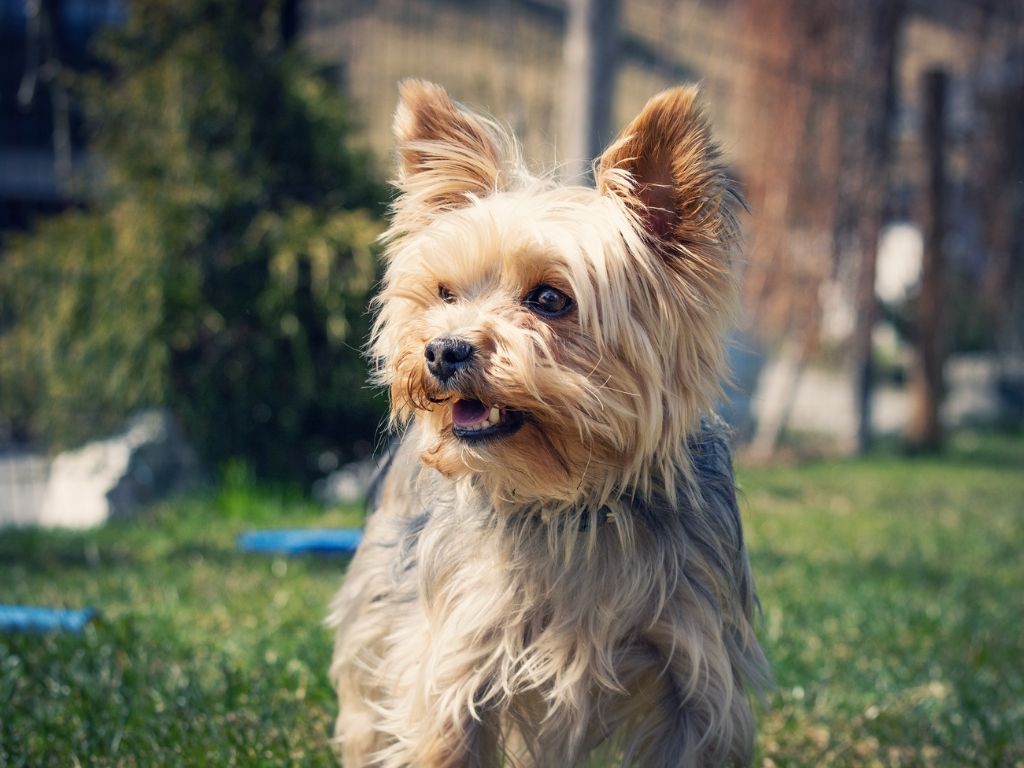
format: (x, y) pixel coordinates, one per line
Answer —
(790, 87)
(818, 108)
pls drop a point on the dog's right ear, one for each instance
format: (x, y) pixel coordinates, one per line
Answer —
(446, 154)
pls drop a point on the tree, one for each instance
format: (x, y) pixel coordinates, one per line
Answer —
(879, 56)
(925, 429)
(223, 262)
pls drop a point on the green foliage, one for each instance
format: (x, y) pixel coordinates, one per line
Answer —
(891, 588)
(224, 261)
(82, 354)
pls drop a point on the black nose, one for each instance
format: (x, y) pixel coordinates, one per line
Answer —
(446, 355)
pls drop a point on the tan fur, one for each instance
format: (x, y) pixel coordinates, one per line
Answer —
(578, 588)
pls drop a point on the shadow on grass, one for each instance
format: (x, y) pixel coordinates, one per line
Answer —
(192, 551)
(1000, 450)
(126, 692)
(48, 551)
(917, 573)
(37, 550)
(335, 564)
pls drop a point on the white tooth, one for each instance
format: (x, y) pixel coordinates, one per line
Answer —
(495, 416)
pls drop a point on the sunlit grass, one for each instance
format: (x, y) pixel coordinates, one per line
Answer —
(203, 656)
(893, 592)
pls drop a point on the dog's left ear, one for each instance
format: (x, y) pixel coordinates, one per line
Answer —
(445, 153)
(673, 178)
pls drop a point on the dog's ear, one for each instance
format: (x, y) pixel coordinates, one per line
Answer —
(666, 167)
(445, 153)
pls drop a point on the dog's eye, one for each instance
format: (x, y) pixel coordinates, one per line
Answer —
(445, 295)
(548, 301)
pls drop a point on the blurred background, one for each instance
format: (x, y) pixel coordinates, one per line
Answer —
(190, 196)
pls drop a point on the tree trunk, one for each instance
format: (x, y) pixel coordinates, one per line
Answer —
(925, 431)
(883, 50)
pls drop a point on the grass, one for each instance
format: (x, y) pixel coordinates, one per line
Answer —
(893, 591)
(203, 656)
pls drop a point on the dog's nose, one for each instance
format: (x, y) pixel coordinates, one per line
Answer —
(446, 355)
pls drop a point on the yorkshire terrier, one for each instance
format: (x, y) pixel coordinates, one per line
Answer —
(554, 573)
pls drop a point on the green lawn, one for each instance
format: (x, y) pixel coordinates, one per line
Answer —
(893, 592)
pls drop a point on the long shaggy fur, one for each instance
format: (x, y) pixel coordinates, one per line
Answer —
(579, 589)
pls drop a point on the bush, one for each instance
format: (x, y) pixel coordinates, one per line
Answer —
(223, 261)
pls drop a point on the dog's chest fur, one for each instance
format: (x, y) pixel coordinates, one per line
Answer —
(558, 636)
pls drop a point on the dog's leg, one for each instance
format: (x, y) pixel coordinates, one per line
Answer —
(703, 717)
(462, 744)
(359, 655)
(415, 706)
(389, 729)
(365, 613)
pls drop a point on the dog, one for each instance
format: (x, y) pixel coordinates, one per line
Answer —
(554, 572)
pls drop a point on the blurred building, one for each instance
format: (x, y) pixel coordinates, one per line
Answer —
(45, 46)
(42, 137)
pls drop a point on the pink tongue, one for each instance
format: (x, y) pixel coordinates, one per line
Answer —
(466, 413)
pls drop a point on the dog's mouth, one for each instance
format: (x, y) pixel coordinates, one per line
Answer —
(474, 421)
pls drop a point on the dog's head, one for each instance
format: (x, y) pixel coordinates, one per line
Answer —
(555, 343)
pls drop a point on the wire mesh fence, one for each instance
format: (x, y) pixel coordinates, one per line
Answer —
(819, 110)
